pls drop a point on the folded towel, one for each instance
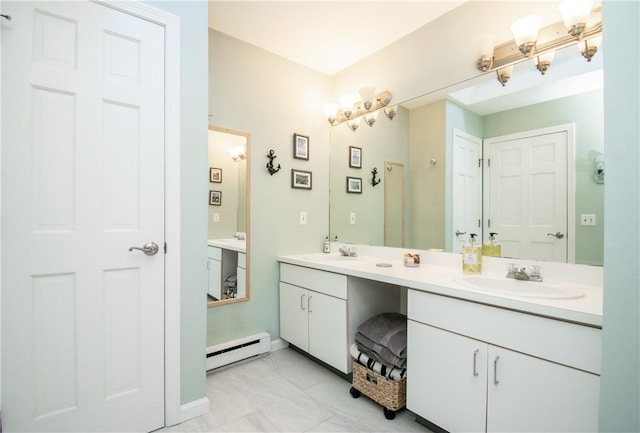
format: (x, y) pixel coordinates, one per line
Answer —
(379, 352)
(388, 330)
(390, 372)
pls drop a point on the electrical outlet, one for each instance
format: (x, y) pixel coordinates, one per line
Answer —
(216, 217)
(588, 219)
(352, 218)
(303, 218)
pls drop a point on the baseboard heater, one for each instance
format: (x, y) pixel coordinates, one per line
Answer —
(238, 350)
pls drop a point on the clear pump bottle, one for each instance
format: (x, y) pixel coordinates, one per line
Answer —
(492, 246)
(471, 256)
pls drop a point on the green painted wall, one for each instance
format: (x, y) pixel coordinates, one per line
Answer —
(586, 112)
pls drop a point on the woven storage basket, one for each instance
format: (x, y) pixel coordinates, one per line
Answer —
(392, 394)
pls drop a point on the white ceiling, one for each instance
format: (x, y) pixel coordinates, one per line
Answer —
(327, 36)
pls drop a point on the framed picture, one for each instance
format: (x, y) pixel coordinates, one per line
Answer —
(354, 185)
(300, 179)
(355, 157)
(215, 198)
(300, 146)
(215, 175)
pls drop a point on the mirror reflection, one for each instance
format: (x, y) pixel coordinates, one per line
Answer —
(445, 142)
(227, 258)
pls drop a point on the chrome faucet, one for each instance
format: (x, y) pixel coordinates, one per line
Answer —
(532, 274)
(348, 251)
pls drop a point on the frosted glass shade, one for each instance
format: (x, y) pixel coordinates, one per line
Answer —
(525, 30)
(575, 12)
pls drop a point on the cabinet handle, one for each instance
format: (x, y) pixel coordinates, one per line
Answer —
(475, 357)
(302, 301)
(495, 370)
(309, 304)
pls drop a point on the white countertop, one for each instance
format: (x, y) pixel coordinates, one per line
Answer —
(229, 244)
(439, 274)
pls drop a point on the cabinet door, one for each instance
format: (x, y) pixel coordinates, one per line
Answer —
(530, 394)
(328, 330)
(447, 378)
(294, 326)
(215, 278)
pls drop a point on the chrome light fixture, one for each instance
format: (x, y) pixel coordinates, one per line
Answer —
(504, 74)
(351, 111)
(575, 14)
(525, 30)
(589, 48)
(543, 61)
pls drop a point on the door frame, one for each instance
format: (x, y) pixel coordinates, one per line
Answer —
(569, 129)
(172, 124)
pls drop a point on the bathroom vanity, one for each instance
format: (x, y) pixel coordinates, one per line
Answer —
(225, 258)
(484, 354)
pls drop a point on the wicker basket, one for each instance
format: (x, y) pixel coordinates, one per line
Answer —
(392, 394)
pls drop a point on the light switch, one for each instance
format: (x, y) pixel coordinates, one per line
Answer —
(352, 218)
(303, 218)
(588, 219)
(216, 217)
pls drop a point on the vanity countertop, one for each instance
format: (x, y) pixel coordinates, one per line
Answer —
(440, 273)
(229, 244)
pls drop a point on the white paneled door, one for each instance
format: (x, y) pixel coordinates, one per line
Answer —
(526, 196)
(83, 181)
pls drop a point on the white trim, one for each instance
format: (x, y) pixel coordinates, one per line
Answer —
(570, 129)
(174, 411)
(278, 344)
(194, 409)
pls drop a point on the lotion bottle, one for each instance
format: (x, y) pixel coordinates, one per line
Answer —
(492, 246)
(471, 256)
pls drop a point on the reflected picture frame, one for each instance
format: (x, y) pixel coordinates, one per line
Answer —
(215, 198)
(355, 157)
(354, 185)
(215, 175)
(300, 179)
(301, 147)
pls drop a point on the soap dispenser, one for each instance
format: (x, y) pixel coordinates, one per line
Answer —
(492, 246)
(326, 247)
(471, 256)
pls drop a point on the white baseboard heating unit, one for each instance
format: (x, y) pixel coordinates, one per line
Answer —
(237, 350)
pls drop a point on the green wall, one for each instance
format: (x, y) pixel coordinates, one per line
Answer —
(586, 112)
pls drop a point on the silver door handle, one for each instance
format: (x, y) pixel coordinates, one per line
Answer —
(495, 370)
(458, 233)
(558, 235)
(475, 357)
(150, 248)
(302, 301)
(309, 304)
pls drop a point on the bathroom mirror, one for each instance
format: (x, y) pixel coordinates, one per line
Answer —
(228, 216)
(420, 137)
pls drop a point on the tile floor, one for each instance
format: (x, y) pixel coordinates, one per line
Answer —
(287, 392)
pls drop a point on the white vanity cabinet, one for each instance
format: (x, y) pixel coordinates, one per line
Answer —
(222, 263)
(214, 266)
(476, 368)
(320, 311)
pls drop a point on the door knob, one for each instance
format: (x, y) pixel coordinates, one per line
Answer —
(150, 248)
(558, 235)
(458, 233)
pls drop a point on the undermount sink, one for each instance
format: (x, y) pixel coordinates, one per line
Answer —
(329, 258)
(525, 289)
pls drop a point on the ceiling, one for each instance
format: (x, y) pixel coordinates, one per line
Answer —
(327, 36)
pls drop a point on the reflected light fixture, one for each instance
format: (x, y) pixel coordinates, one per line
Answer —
(589, 48)
(543, 61)
(351, 111)
(525, 31)
(504, 74)
(238, 153)
(575, 14)
(391, 112)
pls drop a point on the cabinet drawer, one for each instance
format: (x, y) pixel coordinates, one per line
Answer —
(214, 253)
(562, 342)
(242, 260)
(319, 281)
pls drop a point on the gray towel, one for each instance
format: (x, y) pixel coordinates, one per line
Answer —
(388, 330)
(379, 353)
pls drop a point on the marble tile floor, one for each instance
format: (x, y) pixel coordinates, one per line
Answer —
(287, 392)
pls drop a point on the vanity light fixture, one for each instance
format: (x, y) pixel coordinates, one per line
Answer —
(238, 153)
(391, 112)
(543, 61)
(504, 74)
(351, 111)
(579, 26)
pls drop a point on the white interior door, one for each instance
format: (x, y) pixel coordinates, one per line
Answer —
(466, 189)
(526, 199)
(83, 168)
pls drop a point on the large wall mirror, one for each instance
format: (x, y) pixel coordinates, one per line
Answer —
(228, 216)
(430, 138)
